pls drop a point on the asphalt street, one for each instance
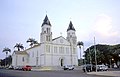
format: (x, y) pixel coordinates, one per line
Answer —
(62, 73)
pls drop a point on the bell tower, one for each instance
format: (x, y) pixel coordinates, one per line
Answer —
(71, 36)
(46, 34)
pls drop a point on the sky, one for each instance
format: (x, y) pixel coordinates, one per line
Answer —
(22, 19)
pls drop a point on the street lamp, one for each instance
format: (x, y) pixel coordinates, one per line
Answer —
(119, 55)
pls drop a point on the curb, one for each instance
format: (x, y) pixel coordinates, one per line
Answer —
(106, 73)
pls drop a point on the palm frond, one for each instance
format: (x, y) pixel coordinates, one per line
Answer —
(80, 43)
(6, 49)
(32, 41)
(19, 46)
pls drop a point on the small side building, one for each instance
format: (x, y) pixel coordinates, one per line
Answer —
(19, 58)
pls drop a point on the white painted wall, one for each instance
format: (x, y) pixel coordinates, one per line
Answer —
(42, 55)
(13, 59)
(20, 61)
(34, 56)
(17, 60)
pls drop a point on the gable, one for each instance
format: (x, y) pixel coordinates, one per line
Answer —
(60, 40)
(19, 53)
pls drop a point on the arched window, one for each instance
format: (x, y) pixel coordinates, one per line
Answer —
(23, 59)
(47, 30)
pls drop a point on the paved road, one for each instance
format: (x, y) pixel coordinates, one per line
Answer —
(112, 72)
(17, 73)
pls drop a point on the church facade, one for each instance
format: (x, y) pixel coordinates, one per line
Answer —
(49, 52)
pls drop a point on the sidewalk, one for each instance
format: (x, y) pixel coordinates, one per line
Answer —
(41, 68)
(106, 73)
(46, 68)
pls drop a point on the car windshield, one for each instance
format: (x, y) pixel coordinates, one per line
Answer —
(69, 65)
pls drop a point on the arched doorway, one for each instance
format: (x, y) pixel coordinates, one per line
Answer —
(61, 62)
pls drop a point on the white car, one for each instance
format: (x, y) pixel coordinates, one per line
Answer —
(68, 67)
(102, 67)
(10, 67)
(18, 68)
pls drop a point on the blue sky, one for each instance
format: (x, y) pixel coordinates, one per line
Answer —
(21, 19)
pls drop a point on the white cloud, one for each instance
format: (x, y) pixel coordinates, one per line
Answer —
(104, 30)
(103, 26)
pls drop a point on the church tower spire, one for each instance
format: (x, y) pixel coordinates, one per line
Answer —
(46, 34)
(71, 36)
(71, 27)
(46, 21)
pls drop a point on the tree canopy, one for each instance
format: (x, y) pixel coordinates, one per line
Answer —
(6, 50)
(19, 46)
(32, 42)
(104, 54)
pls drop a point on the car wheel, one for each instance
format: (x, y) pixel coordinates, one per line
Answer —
(65, 69)
(84, 70)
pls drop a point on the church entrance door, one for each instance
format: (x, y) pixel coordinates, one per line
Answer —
(61, 62)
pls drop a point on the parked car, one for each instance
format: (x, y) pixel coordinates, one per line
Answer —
(68, 67)
(100, 68)
(10, 67)
(115, 66)
(26, 68)
(87, 67)
(105, 68)
(18, 68)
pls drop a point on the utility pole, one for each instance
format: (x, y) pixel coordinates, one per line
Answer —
(95, 54)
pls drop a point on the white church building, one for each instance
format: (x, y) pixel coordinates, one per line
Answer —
(50, 51)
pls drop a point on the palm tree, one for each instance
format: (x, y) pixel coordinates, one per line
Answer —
(19, 46)
(6, 50)
(80, 43)
(32, 42)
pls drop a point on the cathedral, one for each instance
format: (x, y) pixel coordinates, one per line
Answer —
(50, 51)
